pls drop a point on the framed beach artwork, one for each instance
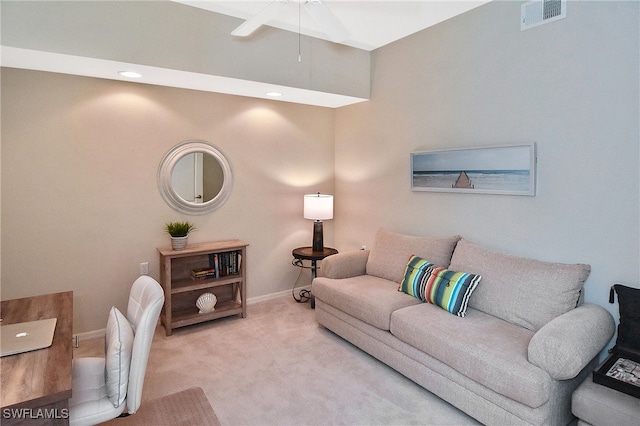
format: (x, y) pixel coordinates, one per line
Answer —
(504, 169)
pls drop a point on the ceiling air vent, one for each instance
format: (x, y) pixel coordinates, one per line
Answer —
(538, 12)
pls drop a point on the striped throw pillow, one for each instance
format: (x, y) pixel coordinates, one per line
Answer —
(450, 290)
(414, 281)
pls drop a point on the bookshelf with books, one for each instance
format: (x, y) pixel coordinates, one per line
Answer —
(215, 267)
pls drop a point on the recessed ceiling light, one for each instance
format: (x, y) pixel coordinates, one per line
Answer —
(130, 74)
(274, 94)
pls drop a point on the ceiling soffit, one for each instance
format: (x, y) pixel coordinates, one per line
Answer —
(178, 45)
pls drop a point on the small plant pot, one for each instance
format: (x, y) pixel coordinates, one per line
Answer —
(178, 243)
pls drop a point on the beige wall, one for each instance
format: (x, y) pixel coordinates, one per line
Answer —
(571, 86)
(81, 208)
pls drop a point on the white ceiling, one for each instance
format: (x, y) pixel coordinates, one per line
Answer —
(370, 24)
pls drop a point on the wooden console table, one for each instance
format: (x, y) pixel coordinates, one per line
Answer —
(36, 385)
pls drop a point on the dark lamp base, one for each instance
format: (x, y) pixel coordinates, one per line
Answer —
(318, 243)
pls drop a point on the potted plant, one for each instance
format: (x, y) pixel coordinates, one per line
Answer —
(179, 232)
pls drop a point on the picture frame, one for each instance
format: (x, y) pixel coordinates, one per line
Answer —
(495, 169)
(620, 371)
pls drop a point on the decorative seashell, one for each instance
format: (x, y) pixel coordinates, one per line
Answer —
(206, 303)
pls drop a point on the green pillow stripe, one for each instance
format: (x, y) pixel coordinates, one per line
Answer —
(450, 290)
(416, 271)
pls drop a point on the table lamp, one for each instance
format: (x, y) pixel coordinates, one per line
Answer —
(318, 207)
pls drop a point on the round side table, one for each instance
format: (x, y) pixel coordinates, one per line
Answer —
(307, 253)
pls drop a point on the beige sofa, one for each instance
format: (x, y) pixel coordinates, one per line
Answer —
(525, 343)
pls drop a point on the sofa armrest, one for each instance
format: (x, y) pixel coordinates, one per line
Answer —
(566, 344)
(345, 265)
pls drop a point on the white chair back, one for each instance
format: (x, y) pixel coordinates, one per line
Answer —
(145, 302)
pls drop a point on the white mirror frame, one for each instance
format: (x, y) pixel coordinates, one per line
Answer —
(165, 172)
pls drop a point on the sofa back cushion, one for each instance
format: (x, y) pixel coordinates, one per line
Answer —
(391, 252)
(526, 292)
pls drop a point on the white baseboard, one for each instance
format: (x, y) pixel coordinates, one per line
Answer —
(95, 334)
(271, 296)
(87, 335)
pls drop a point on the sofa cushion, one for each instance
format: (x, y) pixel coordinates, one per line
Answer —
(485, 349)
(442, 287)
(526, 292)
(629, 308)
(450, 290)
(391, 251)
(367, 298)
(416, 274)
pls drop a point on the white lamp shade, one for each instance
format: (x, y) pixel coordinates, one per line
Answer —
(318, 206)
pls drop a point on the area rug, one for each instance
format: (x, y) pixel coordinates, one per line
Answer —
(188, 407)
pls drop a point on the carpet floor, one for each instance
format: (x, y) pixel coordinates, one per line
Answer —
(279, 367)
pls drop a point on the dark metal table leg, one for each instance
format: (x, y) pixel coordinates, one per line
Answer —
(314, 267)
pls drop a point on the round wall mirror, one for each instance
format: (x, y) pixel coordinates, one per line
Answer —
(194, 177)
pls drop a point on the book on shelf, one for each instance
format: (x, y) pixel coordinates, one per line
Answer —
(225, 263)
(220, 265)
(203, 274)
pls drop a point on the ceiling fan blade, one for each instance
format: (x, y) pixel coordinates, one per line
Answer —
(256, 21)
(326, 20)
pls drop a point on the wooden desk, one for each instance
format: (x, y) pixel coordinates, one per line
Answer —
(37, 384)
